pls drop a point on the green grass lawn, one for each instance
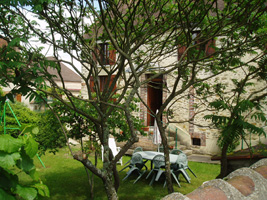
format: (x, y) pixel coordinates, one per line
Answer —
(66, 179)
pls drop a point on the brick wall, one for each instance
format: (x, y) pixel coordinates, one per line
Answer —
(242, 184)
(143, 94)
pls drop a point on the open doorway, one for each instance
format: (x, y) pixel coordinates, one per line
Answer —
(154, 97)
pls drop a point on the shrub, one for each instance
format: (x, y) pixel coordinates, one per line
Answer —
(50, 136)
(24, 115)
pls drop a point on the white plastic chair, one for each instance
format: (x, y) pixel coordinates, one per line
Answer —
(115, 150)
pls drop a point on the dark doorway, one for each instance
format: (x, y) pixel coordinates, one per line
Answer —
(154, 97)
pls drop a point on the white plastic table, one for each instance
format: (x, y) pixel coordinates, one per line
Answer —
(149, 155)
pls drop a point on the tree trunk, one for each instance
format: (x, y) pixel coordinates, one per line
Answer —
(167, 167)
(115, 174)
(224, 169)
(109, 187)
(166, 156)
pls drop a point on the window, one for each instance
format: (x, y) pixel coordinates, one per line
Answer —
(196, 141)
(106, 55)
(208, 48)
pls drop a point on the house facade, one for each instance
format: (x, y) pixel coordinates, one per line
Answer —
(186, 117)
(187, 111)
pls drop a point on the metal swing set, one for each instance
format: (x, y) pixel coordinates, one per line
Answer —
(5, 127)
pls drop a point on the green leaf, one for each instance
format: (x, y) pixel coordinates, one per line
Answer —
(5, 196)
(7, 179)
(8, 160)
(31, 147)
(9, 144)
(42, 189)
(35, 130)
(10, 96)
(25, 163)
(31, 129)
(14, 42)
(27, 193)
(34, 175)
(219, 105)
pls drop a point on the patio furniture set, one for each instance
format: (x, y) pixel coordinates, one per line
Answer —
(178, 160)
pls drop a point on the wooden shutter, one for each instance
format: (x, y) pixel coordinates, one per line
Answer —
(92, 84)
(111, 80)
(210, 47)
(181, 50)
(103, 82)
(112, 56)
(18, 97)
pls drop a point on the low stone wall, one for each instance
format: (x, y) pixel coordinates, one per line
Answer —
(144, 141)
(242, 184)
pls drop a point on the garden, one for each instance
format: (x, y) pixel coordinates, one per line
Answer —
(56, 169)
(66, 179)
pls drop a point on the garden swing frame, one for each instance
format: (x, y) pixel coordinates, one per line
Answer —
(3, 119)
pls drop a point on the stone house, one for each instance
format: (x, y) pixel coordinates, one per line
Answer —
(199, 139)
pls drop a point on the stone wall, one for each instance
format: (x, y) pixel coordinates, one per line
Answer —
(185, 107)
(144, 141)
(242, 184)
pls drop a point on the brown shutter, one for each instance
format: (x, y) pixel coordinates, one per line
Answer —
(181, 50)
(210, 47)
(18, 97)
(112, 56)
(92, 84)
(111, 80)
(103, 81)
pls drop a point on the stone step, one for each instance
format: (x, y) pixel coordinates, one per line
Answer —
(188, 152)
(173, 143)
(170, 139)
(196, 150)
(146, 143)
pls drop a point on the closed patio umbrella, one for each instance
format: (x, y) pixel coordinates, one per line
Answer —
(156, 133)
